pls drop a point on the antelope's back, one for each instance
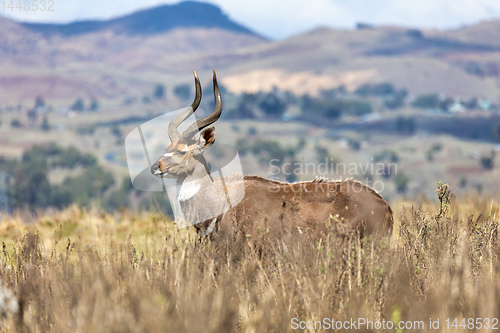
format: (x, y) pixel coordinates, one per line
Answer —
(310, 206)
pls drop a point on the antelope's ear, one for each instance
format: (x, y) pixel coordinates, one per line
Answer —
(207, 138)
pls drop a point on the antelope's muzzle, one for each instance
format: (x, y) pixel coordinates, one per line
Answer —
(156, 171)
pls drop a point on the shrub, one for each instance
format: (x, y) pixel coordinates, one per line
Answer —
(272, 105)
(333, 109)
(376, 89)
(45, 125)
(401, 181)
(15, 123)
(427, 101)
(495, 130)
(488, 161)
(94, 105)
(77, 105)
(159, 91)
(386, 155)
(433, 150)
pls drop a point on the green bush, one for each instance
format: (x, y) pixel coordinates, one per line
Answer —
(78, 105)
(427, 101)
(376, 89)
(272, 105)
(401, 181)
(386, 155)
(159, 91)
(333, 109)
(488, 161)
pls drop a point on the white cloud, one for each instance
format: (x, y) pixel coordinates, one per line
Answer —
(279, 19)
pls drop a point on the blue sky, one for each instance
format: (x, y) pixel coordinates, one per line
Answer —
(283, 18)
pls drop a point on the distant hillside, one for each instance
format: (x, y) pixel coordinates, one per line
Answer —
(107, 59)
(485, 33)
(418, 60)
(130, 54)
(188, 14)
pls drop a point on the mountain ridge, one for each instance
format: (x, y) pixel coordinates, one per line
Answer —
(155, 20)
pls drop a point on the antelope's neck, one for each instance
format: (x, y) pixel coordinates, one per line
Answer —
(190, 187)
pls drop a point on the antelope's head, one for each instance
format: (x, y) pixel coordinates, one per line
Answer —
(184, 154)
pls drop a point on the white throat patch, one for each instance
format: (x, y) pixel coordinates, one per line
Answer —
(188, 190)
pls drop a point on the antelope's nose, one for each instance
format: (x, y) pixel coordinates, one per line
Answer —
(155, 169)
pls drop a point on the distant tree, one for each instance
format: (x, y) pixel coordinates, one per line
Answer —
(251, 131)
(94, 105)
(330, 109)
(364, 26)
(396, 100)
(116, 131)
(471, 104)
(82, 189)
(39, 102)
(72, 157)
(30, 185)
(434, 149)
(15, 123)
(446, 103)
(45, 124)
(415, 33)
(32, 115)
(488, 161)
(183, 91)
(86, 129)
(272, 105)
(354, 144)
(475, 68)
(427, 101)
(463, 182)
(356, 107)
(119, 198)
(386, 155)
(159, 91)
(246, 108)
(401, 181)
(376, 89)
(77, 105)
(495, 131)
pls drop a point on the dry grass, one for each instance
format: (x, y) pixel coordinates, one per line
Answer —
(84, 271)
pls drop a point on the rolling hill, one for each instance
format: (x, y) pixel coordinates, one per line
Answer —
(107, 59)
(129, 54)
(420, 61)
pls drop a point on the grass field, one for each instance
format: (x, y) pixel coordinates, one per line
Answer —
(86, 271)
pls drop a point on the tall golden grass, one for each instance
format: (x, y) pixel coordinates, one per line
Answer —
(87, 271)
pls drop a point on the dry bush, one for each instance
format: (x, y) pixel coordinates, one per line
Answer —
(85, 271)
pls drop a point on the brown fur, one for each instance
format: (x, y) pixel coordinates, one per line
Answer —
(308, 207)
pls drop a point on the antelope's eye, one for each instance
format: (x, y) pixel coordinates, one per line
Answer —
(181, 152)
